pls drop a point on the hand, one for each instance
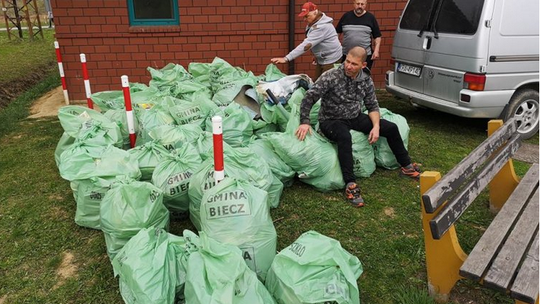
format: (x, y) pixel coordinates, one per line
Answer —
(373, 135)
(375, 56)
(302, 131)
(279, 60)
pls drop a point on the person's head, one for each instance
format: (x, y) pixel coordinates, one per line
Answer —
(309, 12)
(355, 61)
(359, 7)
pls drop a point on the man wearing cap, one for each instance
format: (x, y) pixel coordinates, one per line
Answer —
(321, 39)
(360, 28)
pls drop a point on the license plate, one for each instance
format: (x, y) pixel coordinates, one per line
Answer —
(409, 69)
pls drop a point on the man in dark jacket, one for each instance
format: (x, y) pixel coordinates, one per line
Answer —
(343, 91)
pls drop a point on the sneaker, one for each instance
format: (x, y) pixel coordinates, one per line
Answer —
(413, 171)
(352, 193)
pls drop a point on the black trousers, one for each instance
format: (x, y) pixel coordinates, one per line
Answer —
(338, 132)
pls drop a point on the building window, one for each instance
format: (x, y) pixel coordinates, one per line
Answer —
(153, 12)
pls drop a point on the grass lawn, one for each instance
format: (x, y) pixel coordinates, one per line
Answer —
(47, 258)
(19, 58)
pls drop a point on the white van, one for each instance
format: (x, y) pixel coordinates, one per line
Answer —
(471, 58)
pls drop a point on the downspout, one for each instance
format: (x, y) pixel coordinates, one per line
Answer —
(291, 34)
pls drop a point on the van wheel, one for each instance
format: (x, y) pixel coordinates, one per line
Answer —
(524, 107)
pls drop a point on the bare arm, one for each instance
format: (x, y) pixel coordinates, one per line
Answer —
(375, 118)
(375, 54)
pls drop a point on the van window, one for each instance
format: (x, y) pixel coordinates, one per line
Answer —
(459, 16)
(449, 16)
(416, 15)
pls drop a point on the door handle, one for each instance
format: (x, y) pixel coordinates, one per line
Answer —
(427, 43)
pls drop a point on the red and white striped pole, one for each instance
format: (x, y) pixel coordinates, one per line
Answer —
(129, 110)
(61, 69)
(217, 130)
(86, 82)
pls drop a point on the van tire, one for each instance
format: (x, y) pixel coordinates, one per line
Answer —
(524, 107)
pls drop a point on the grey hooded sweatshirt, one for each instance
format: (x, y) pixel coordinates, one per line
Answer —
(324, 41)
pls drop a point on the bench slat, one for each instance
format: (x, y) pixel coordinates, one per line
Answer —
(491, 241)
(507, 261)
(439, 193)
(463, 199)
(525, 286)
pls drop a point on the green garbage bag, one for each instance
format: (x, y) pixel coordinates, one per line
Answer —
(64, 142)
(237, 125)
(88, 194)
(114, 100)
(84, 161)
(260, 126)
(146, 99)
(240, 163)
(135, 87)
(363, 155)
(174, 137)
(236, 212)
(75, 118)
(128, 207)
(258, 172)
(189, 90)
(275, 114)
(157, 115)
(193, 112)
(216, 273)
(119, 116)
(201, 73)
(148, 156)
(109, 100)
(296, 100)
(227, 81)
(205, 145)
(175, 81)
(272, 72)
(263, 148)
(383, 154)
(72, 118)
(91, 171)
(168, 76)
(148, 269)
(173, 174)
(314, 269)
(100, 133)
(314, 159)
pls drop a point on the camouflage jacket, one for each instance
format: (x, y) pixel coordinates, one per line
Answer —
(341, 96)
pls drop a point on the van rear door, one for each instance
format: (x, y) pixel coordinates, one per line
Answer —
(459, 44)
(454, 41)
(407, 48)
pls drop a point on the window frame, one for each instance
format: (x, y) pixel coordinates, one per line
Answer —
(153, 22)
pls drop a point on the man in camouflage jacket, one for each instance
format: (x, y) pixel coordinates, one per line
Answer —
(343, 91)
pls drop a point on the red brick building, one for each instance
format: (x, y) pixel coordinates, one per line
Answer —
(246, 33)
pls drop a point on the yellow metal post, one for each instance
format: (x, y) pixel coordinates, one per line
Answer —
(444, 257)
(520, 302)
(504, 183)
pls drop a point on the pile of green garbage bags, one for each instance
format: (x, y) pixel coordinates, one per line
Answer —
(132, 193)
(158, 267)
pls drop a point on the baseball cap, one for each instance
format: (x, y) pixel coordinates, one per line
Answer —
(306, 8)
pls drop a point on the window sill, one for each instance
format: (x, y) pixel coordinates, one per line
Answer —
(154, 29)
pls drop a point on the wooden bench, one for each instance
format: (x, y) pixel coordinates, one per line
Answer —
(506, 256)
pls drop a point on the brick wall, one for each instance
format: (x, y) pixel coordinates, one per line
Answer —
(246, 33)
